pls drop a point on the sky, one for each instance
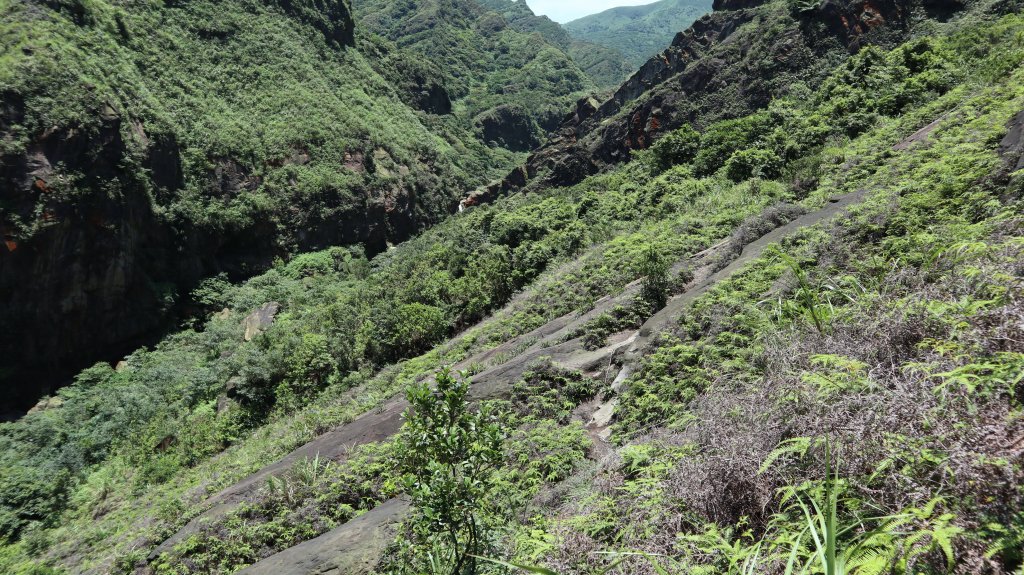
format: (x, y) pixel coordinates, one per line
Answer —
(565, 10)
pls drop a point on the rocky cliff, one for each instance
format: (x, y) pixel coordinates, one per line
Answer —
(144, 147)
(729, 63)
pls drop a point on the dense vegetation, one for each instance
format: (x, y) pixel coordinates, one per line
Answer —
(853, 393)
(183, 140)
(638, 32)
(509, 69)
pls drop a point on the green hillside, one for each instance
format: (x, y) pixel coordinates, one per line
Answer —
(509, 68)
(177, 141)
(638, 32)
(783, 340)
(605, 67)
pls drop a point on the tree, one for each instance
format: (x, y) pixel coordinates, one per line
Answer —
(678, 147)
(395, 331)
(311, 368)
(450, 456)
(654, 290)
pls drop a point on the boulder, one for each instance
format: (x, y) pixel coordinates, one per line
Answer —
(260, 320)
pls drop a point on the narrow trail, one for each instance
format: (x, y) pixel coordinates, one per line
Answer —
(548, 342)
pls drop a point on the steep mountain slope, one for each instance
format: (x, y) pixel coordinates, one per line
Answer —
(509, 68)
(802, 317)
(149, 146)
(639, 32)
(725, 66)
(667, 346)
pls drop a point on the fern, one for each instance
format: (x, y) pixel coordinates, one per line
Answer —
(797, 446)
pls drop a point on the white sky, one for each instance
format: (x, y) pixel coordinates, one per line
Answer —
(566, 10)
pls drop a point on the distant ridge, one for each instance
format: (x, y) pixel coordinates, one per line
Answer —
(638, 32)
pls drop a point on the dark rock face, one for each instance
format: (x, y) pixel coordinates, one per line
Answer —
(1011, 148)
(715, 70)
(736, 4)
(86, 281)
(509, 127)
(331, 17)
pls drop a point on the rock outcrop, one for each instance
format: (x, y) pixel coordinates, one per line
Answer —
(260, 320)
(355, 548)
(509, 127)
(718, 68)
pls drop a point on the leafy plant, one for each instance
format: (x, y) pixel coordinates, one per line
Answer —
(655, 287)
(449, 456)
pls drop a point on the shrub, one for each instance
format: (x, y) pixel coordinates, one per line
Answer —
(655, 286)
(678, 147)
(449, 456)
(753, 163)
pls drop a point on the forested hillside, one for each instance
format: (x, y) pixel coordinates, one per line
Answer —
(605, 66)
(639, 32)
(511, 70)
(149, 146)
(761, 310)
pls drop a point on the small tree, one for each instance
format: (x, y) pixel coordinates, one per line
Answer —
(310, 368)
(678, 147)
(450, 454)
(654, 290)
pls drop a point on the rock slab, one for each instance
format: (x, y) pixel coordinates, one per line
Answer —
(355, 548)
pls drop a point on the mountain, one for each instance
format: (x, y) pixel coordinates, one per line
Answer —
(722, 67)
(148, 147)
(605, 66)
(510, 68)
(638, 32)
(759, 310)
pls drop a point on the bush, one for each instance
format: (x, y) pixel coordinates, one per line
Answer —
(722, 139)
(753, 163)
(678, 147)
(393, 333)
(655, 287)
(450, 455)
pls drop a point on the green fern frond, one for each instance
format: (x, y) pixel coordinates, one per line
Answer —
(797, 446)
